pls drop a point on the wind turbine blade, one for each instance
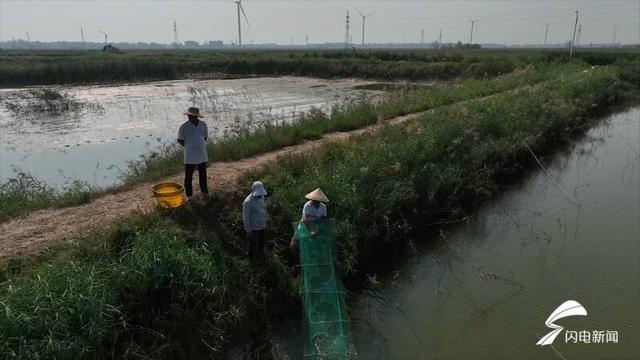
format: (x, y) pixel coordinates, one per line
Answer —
(243, 13)
(359, 12)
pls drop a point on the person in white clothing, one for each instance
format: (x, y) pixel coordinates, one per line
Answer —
(254, 219)
(193, 135)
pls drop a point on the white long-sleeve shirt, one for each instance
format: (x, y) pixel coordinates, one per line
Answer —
(254, 213)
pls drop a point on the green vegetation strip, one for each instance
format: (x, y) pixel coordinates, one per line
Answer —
(172, 285)
(42, 67)
(37, 67)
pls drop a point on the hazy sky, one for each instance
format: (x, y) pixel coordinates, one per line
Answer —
(510, 22)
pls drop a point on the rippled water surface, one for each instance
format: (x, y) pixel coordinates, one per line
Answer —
(482, 289)
(114, 124)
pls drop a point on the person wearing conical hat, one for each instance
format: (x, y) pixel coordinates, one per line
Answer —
(314, 209)
(193, 135)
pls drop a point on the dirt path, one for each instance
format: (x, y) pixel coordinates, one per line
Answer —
(36, 231)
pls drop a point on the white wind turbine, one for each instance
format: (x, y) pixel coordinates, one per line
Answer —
(240, 8)
(364, 18)
(106, 39)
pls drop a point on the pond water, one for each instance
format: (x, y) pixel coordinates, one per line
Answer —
(483, 289)
(106, 126)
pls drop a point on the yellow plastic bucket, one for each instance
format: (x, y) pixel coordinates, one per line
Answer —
(168, 194)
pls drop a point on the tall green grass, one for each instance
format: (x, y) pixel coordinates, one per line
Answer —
(149, 290)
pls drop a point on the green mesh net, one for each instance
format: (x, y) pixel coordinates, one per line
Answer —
(326, 317)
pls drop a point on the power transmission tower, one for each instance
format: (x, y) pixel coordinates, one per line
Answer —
(546, 33)
(471, 36)
(346, 36)
(421, 36)
(175, 34)
(573, 38)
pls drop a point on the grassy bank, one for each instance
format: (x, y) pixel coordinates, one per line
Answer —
(151, 287)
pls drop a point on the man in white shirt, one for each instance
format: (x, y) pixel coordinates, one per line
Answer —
(193, 135)
(254, 218)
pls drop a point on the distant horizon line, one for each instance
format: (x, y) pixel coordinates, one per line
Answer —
(220, 43)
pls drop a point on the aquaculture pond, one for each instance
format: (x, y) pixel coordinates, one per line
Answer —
(484, 287)
(89, 133)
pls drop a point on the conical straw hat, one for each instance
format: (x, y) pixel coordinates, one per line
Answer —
(317, 195)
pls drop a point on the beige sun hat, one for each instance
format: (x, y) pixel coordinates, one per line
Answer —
(317, 195)
(193, 111)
